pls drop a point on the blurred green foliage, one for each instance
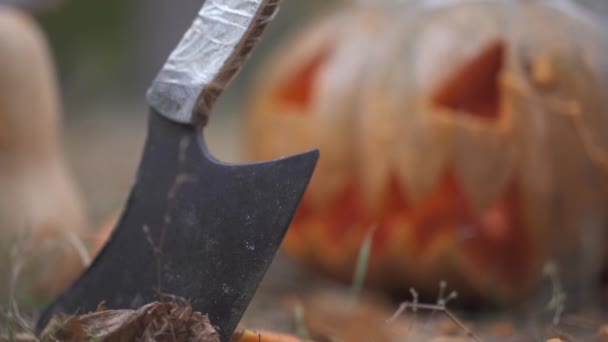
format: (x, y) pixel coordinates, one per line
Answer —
(91, 43)
(97, 44)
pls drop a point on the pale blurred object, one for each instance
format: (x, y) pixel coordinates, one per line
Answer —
(42, 220)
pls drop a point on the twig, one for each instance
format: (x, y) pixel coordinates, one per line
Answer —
(181, 179)
(433, 307)
(157, 257)
(21, 248)
(460, 324)
(441, 306)
(562, 335)
(442, 300)
(175, 298)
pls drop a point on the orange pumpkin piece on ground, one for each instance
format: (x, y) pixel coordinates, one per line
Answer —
(103, 233)
(468, 134)
(262, 336)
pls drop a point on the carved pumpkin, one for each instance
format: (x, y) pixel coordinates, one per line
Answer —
(471, 135)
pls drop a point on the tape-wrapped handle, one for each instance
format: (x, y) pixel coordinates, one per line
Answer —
(208, 57)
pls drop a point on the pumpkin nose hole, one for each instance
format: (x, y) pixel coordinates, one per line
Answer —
(298, 91)
(474, 89)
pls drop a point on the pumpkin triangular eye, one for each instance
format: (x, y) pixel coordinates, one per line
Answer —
(474, 88)
(298, 90)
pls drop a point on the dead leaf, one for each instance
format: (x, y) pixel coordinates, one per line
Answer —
(153, 322)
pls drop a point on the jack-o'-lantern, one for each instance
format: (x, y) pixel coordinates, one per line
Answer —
(467, 137)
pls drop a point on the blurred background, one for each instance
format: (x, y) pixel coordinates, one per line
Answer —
(106, 54)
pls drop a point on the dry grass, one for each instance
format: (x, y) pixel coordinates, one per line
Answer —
(23, 250)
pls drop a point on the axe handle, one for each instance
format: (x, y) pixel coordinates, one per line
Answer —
(208, 57)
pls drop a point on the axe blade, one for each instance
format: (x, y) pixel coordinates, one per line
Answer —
(193, 228)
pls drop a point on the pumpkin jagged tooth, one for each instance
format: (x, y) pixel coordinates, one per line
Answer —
(484, 163)
(375, 161)
(421, 172)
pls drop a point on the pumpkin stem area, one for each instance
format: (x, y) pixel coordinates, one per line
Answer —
(474, 88)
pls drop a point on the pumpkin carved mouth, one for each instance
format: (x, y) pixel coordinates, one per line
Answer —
(493, 247)
(493, 244)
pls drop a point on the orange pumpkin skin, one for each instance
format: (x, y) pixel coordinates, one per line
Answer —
(262, 336)
(461, 132)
